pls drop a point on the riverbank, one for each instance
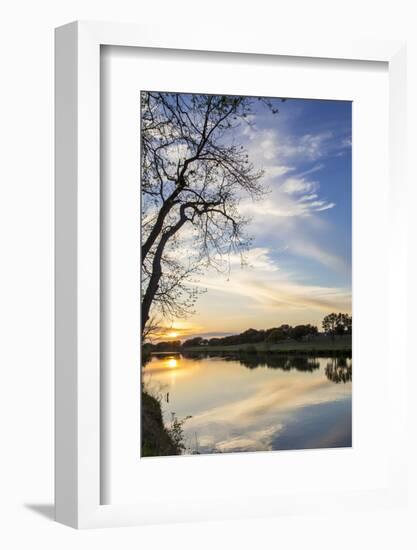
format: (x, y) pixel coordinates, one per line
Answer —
(315, 346)
(156, 439)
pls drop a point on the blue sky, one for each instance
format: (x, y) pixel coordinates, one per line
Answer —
(299, 266)
(316, 146)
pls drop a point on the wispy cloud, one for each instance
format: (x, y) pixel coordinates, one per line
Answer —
(295, 201)
(273, 144)
(292, 191)
(312, 250)
(270, 287)
(292, 198)
(310, 146)
(297, 186)
(256, 259)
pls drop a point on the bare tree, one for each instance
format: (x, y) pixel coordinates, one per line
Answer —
(193, 175)
(152, 329)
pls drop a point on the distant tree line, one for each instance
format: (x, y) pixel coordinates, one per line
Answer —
(253, 336)
(334, 324)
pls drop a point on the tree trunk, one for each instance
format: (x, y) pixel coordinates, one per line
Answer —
(165, 209)
(157, 228)
(157, 267)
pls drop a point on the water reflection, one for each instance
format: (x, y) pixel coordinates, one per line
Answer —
(339, 370)
(319, 426)
(256, 401)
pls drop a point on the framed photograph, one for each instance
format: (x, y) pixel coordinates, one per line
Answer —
(228, 266)
(239, 230)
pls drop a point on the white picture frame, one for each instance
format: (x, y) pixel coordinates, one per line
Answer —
(78, 404)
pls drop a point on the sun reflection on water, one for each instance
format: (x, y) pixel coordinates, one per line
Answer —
(172, 363)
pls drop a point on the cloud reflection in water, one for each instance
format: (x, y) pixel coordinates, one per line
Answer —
(256, 403)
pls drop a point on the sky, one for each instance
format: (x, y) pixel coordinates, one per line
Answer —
(299, 266)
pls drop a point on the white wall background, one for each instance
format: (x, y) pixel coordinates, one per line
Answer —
(26, 269)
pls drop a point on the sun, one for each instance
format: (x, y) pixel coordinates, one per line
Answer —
(172, 363)
(172, 334)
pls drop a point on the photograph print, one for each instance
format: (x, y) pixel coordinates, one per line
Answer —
(246, 300)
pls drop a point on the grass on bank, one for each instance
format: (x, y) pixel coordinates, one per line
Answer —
(157, 439)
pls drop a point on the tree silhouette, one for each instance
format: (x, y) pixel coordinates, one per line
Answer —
(337, 323)
(193, 175)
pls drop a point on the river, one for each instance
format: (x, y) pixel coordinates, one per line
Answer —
(254, 402)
